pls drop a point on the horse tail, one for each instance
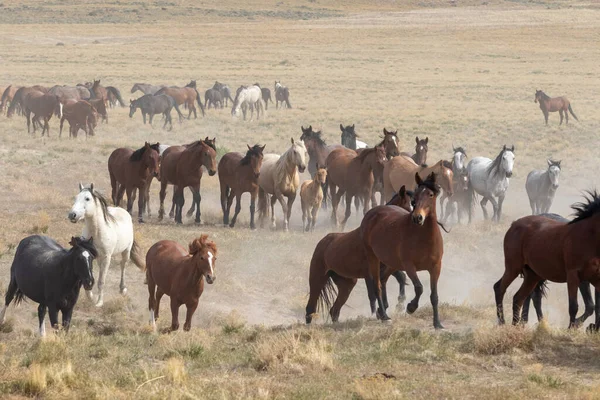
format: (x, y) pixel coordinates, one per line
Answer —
(263, 204)
(199, 101)
(19, 296)
(137, 256)
(4, 98)
(471, 198)
(287, 98)
(115, 92)
(327, 295)
(572, 113)
(13, 105)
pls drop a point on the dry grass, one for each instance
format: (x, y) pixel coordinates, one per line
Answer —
(461, 75)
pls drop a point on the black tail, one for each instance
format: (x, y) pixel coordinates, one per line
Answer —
(15, 104)
(572, 113)
(115, 92)
(19, 296)
(264, 203)
(4, 98)
(199, 101)
(471, 198)
(327, 296)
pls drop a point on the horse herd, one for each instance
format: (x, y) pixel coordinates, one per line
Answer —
(399, 235)
(83, 104)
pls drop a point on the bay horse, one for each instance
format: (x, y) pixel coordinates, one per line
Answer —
(541, 187)
(311, 196)
(100, 108)
(280, 177)
(186, 95)
(543, 248)
(16, 103)
(41, 105)
(155, 104)
(181, 166)
(420, 155)
(282, 94)
(108, 94)
(401, 170)
(180, 274)
(489, 179)
(50, 275)
(352, 174)
(80, 115)
(239, 174)
(112, 230)
(552, 104)
(130, 170)
(146, 88)
(251, 97)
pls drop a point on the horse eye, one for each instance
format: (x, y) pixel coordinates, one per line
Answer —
(202, 257)
(87, 199)
(430, 194)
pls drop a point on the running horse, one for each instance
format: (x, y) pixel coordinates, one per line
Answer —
(552, 104)
(420, 156)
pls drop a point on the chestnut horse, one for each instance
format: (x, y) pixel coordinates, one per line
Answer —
(80, 115)
(353, 174)
(179, 274)
(130, 170)
(401, 171)
(543, 248)
(42, 105)
(186, 95)
(239, 174)
(181, 166)
(552, 104)
(100, 108)
(420, 156)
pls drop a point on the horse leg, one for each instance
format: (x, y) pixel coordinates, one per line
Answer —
(530, 281)
(46, 126)
(315, 211)
(499, 207)
(434, 275)
(130, 199)
(159, 295)
(584, 288)
(67, 314)
(317, 279)
(334, 202)
(546, 116)
(401, 278)
(290, 203)
(253, 196)
(162, 195)
(147, 194)
(191, 309)
(272, 205)
(305, 214)
(414, 278)
(284, 208)
(173, 201)
(238, 207)
(193, 207)
(560, 112)
(567, 116)
(345, 286)
(175, 304)
(348, 210)
(41, 319)
(224, 195)
(53, 314)
(197, 199)
(532, 204)
(104, 264)
(228, 208)
(28, 116)
(151, 301)
(179, 202)
(483, 204)
(8, 298)
(510, 274)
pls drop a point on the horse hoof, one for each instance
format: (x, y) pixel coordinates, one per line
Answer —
(411, 308)
(438, 326)
(124, 291)
(592, 328)
(141, 221)
(99, 303)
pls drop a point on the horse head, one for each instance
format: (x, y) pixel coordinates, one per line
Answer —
(254, 156)
(84, 204)
(209, 155)
(348, 136)
(321, 174)
(460, 155)
(133, 105)
(390, 141)
(151, 158)
(84, 253)
(421, 149)
(554, 173)
(204, 256)
(508, 160)
(300, 154)
(425, 198)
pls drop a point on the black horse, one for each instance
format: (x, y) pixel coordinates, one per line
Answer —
(266, 95)
(155, 104)
(51, 276)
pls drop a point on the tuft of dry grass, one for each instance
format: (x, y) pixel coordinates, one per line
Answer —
(503, 339)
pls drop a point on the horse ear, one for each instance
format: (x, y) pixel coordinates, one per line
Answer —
(147, 145)
(249, 148)
(504, 148)
(352, 126)
(385, 132)
(418, 179)
(292, 140)
(310, 127)
(549, 162)
(431, 177)
(341, 127)
(402, 191)
(206, 139)
(80, 187)
(92, 187)
(427, 140)
(263, 148)
(417, 140)
(512, 148)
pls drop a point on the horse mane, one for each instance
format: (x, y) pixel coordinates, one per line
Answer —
(394, 198)
(210, 144)
(255, 150)
(493, 167)
(365, 153)
(447, 164)
(317, 137)
(586, 209)
(139, 153)
(84, 244)
(103, 204)
(460, 150)
(430, 184)
(202, 243)
(544, 95)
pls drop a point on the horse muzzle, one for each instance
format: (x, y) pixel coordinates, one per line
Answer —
(509, 174)
(301, 169)
(89, 284)
(418, 219)
(72, 217)
(256, 175)
(212, 172)
(555, 186)
(210, 279)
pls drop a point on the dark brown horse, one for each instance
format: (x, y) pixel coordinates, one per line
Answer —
(41, 105)
(100, 108)
(266, 95)
(130, 171)
(108, 95)
(540, 248)
(552, 104)
(16, 103)
(420, 156)
(186, 95)
(80, 115)
(213, 97)
(239, 174)
(352, 174)
(181, 166)
(179, 274)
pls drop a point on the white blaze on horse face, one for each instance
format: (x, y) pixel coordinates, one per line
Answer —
(459, 159)
(554, 173)
(210, 264)
(395, 140)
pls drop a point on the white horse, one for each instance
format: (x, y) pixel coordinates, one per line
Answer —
(279, 177)
(541, 187)
(490, 179)
(112, 230)
(250, 96)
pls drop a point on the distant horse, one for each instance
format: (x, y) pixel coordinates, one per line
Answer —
(213, 97)
(280, 177)
(130, 170)
(349, 138)
(266, 96)
(311, 196)
(179, 274)
(248, 97)
(51, 276)
(109, 95)
(146, 88)
(186, 95)
(282, 94)
(401, 171)
(181, 166)
(41, 105)
(489, 179)
(461, 186)
(16, 103)
(541, 187)
(113, 95)
(113, 232)
(7, 96)
(390, 144)
(543, 248)
(80, 115)
(65, 93)
(100, 108)
(353, 175)
(552, 104)
(239, 174)
(155, 104)
(225, 92)
(420, 156)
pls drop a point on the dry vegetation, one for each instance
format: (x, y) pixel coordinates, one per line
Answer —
(461, 75)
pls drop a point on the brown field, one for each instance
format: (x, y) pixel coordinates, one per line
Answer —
(462, 74)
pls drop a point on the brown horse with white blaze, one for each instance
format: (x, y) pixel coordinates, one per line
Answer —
(179, 274)
(552, 104)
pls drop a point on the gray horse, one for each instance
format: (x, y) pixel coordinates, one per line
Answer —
(225, 92)
(541, 187)
(213, 97)
(146, 88)
(155, 104)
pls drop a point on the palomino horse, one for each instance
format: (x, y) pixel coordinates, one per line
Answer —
(180, 275)
(282, 94)
(543, 248)
(80, 115)
(490, 179)
(353, 174)
(42, 105)
(155, 104)
(251, 97)
(311, 196)
(16, 103)
(130, 170)
(349, 138)
(112, 230)
(186, 95)
(401, 171)
(239, 174)
(146, 88)
(541, 187)
(181, 166)
(420, 156)
(280, 177)
(552, 104)
(50, 275)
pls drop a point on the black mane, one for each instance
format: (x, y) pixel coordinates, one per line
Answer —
(430, 184)
(544, 95)
(410, 194)
(494, 166)
(586, 209)
(460, 150)
(139, 153)
(255, 150)
(81, 242)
